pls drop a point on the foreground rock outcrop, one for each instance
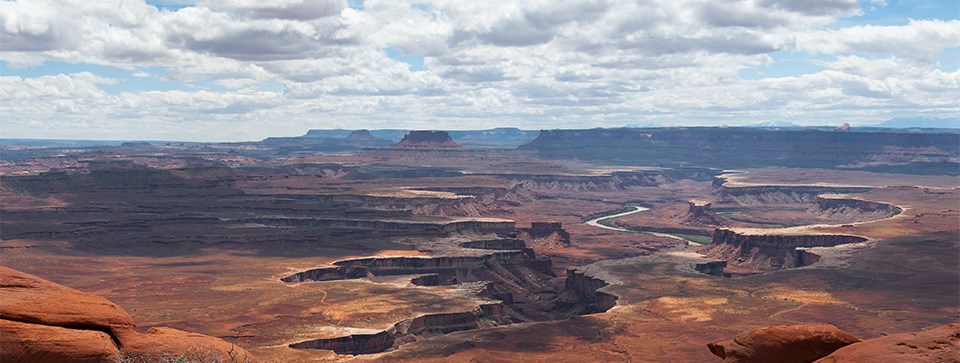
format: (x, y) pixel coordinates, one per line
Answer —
(827, 344)
(940, 344)
(785, 344)
(41, 321)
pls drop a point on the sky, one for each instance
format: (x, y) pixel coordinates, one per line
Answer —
(212, 70)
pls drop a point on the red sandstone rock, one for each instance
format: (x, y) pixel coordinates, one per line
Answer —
(941, 344)
(35, 343)
(29, 299)
(547, 234)
(784, 344)
(41, 321)
(427, 140)
(699, 213)
(168, 342)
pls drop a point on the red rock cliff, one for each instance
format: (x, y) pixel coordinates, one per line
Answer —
(769, 251)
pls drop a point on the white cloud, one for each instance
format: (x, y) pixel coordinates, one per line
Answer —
(535, 63)
(919, 39)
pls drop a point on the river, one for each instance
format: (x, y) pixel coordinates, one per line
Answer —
(596, 223)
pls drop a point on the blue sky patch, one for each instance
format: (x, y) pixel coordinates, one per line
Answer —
(415, 61)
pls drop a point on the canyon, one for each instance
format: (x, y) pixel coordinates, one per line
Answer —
(642, 244)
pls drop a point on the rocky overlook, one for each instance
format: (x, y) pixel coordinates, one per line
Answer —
(46, 322)
(427, 140)
(826, 343)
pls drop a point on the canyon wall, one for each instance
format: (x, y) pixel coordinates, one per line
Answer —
(511, 274)
(411, 330)
(456, 226)
(614, 181)
(770, 251)
(851, 210)
(778, 194)
(587, 289)
(699, 213)
(445, 269)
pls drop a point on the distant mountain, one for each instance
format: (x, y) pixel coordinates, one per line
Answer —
(774, 124)
(643, 125)
(920, 122)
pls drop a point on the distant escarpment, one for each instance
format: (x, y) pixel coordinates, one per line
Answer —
(767, 250)
(427, 140)
(747, 147)
(314, 142)
(362, 136)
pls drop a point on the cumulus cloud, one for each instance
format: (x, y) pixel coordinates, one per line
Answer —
(919, 39)
(815, 7)
(278, 9)
(534, 63)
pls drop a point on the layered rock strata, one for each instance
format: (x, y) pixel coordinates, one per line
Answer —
(409, 330)
(513, 275)
(844, 209)
(769, 250)
(427, 140)
(699, 213)
(546, 234)
(460, 225)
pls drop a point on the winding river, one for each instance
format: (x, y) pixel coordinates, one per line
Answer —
(596, 221)
(636, 209)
